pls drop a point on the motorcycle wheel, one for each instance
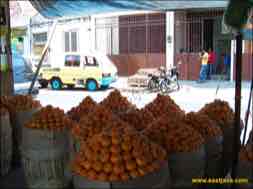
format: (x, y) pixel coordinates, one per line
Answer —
(163, 87)
(151, 84)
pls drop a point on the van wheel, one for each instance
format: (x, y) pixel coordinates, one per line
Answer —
(56, 84)
(91, 85)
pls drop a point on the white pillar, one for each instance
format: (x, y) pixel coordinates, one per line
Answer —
(232, 55)
(170, 39)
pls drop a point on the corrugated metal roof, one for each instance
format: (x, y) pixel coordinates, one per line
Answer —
(60, 8)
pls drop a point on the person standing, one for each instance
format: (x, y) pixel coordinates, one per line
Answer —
(227, 62)
(211, 61)
(204, 66)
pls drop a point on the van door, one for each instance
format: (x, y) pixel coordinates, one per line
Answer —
(92, 69)
(72, 69)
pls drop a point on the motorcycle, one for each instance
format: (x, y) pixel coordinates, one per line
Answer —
(153, 82)
(169, 81)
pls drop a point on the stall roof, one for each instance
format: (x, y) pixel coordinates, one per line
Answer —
(61, 8)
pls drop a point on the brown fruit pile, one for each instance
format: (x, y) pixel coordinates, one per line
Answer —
(117, 103)
(139, 119)
(3, 111)
(174, 135)
(94, 122)
(22, 103)
(82, 109)
(246, 153)
(50, 118)
(118, 155)
(4, 101)
(164, 105)
(203, 124)
(220, 112)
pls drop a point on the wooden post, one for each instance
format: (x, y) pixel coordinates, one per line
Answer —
(6, 77)
(237, 119)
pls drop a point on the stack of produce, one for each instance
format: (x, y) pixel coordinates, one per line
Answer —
(164, 105)
(94, 122)
(5, 142)
(21, 108)
(118, 155)
(50, 118)
(183, 144)
(220, 112)
(3, 111)
(82, 109)
(117, 103)
(203, 124)
(22, 103)
(213, 142)
(174, 134)
(245, 166)
(45, 149)
(246, 153)
(4, 101)
(139, 119)
(223, 115)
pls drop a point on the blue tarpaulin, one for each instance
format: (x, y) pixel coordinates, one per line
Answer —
(60, 8)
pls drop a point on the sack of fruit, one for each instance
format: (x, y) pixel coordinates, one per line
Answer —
(5, 142)
(120, 158)
(45, 149)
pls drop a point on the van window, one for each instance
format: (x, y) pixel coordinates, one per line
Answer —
(91, 61)
(72, 60)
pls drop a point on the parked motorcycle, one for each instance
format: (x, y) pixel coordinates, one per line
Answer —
(153, 82)
(166, 82)
(169, 81)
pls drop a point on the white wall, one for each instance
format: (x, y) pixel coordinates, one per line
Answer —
(107, 35)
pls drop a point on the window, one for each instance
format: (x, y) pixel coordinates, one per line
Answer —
(40, 38)
(70, 39)
(91, 61)
(72, 60)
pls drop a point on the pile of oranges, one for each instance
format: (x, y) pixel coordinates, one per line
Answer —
(203, 124)
(118, 155)
(246, 153)
(3, 111)
(139, 119)
(22, 103)
(164, 105)
(94, 122)
(117, 103)
(220, 112)
(174, 135)
(82, 109)
(51, 119)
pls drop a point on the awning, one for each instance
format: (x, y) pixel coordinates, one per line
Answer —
(60, 8)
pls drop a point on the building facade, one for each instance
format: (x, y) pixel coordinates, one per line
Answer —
(146, 40)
